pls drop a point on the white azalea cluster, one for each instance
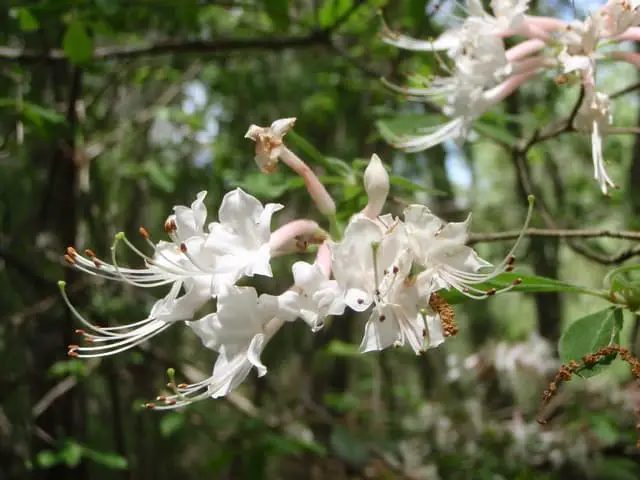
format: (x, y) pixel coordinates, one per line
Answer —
(390, 266)
(481, 72)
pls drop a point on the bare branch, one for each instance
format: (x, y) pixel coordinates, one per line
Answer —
(554, 233)
(221, 45)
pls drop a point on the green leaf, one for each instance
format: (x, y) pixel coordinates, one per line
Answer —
(414, 187)
(28, 23)
(37, 114)
(333, 10)
(71, 454)
(171, 423)
(159, 177)
(278, 11)
(495, 131)
(588, 334)
(348, 447)
(77, 44)
(528, 284)
(107, 459)
(46, 459)
(338, 348)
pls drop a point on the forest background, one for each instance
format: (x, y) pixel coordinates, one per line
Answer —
(112, 112)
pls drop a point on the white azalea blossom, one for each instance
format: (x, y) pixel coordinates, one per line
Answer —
(238, 331)
(389, 266)
(616, 16)
(318, 297)
(595, 116)
(240, 239)
(372, 264)
(440, 248)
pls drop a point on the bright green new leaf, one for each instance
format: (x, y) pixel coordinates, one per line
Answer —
(588, 334)
(333, 10)
(528, 284)
(171, 423)
(28, 23)
(77, 44)
(494, 131)
(278, 11)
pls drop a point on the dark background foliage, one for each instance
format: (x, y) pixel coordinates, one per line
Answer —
(111, 112)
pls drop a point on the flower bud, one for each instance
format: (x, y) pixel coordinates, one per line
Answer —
(376, 184)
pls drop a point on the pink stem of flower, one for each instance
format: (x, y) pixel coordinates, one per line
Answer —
(629, 57)
(323, 259)
(284, 239)
(524, 49)
(533, 64)
(546, 23)
(318, 193)
(631, 33)
(506, 88)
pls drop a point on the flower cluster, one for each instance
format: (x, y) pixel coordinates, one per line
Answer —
(481, 72)
(389, 266)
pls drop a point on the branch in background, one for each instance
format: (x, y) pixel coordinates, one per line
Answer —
(119, 52)
(555, 233)
(171, 47)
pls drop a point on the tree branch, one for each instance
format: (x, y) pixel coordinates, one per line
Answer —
(554, 233)
(320, 37)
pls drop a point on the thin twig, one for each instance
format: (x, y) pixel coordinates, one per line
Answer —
(554, 233)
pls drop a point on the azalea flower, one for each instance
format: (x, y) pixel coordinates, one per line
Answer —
(440, 249)
(240, 239)
(192, 273)
(202, 265)
(318, 297)
(239, 331)
(371, 264)
(595, 116)
(616, 16)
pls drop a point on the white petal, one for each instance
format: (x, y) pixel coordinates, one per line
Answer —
(240, 211)
(357, 299)
(207, 329)
(281, 126)
(379, 335)
(254, 351)
(307, 276)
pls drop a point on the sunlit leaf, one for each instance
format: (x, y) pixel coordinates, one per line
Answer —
(77, 44)
(588, 334)
(278, 11)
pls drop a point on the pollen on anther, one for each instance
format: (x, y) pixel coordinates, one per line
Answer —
(183, 247)
(511, 260)
(517, 281)
(395, 269)
(150, 405)
(508, 268)
(88, 339)
(143, 231)
(69, 259)
(79, 331)
(89, 253)
(170, 402)
(182, 385)
(73, 353)
(161, 398)
(71, 252)
(73, 347)
(491, 291)
(383, 318)
(360, 301)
